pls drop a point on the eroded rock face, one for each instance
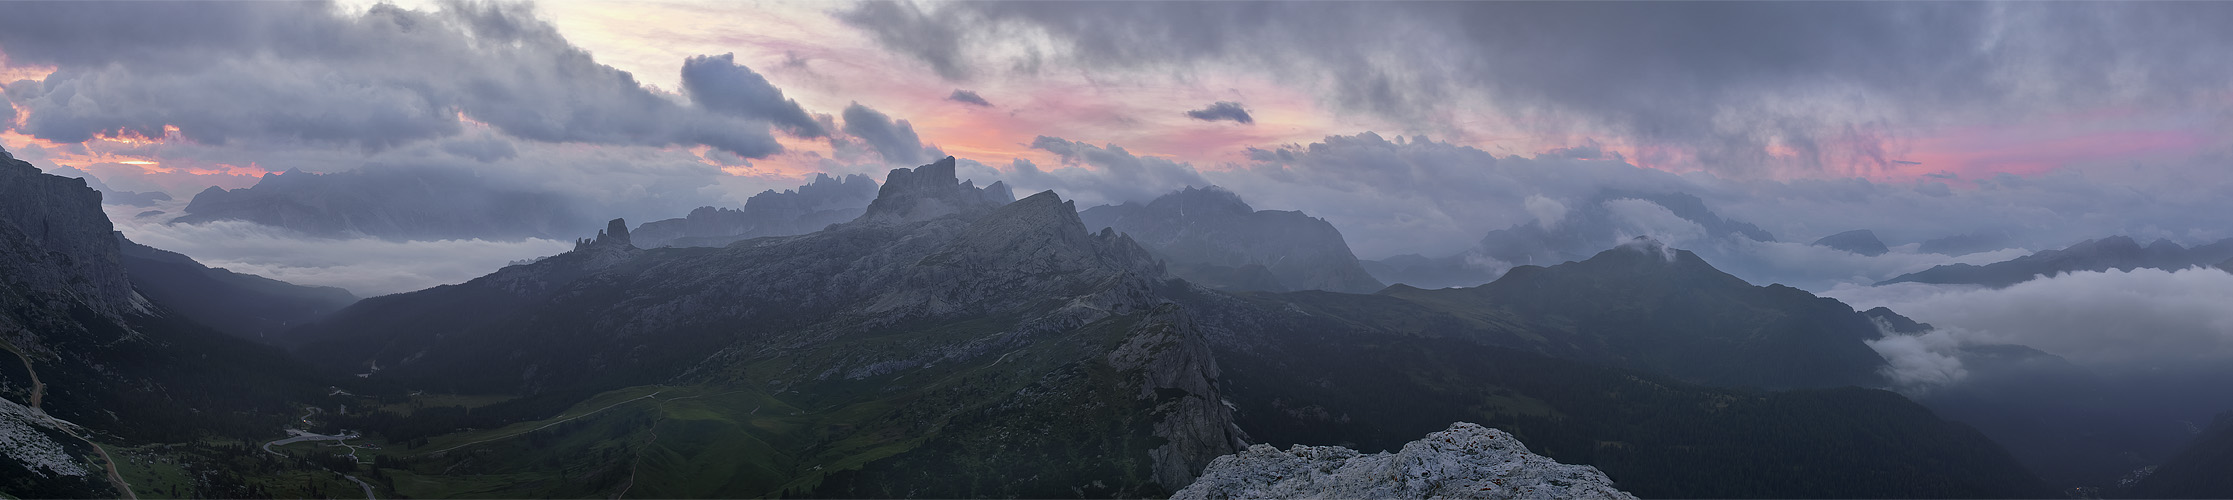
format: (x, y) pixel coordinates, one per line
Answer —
(1465, 461)
(929, 192)
(812, 207)
(58, 239)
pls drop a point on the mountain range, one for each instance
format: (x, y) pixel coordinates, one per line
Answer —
(1210, 237)
(103, 366)
(1573, 233)
(810, 208)
(946, 343)
(949, 341)
(2116, 252)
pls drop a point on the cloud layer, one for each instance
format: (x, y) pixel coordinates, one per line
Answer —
(378, 79)
(1731, 87)
(365, 266)
(2115, 320)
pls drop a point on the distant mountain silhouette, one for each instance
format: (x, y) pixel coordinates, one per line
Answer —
(2115, 252)
(1209, 236)
(1860, 241)
(810, 208)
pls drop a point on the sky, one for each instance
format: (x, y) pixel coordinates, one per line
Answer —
(1412, 127)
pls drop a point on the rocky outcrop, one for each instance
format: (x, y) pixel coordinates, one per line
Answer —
(1174, 367)
(929, 192)
(1465, 461)
(1860, 241)
(1211, 237)
(808, 209)
(615, 234)
(1647, 306)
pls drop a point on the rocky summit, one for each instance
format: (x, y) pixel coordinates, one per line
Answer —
(1465, 461)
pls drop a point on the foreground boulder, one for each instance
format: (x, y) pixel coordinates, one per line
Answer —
(1465, 461)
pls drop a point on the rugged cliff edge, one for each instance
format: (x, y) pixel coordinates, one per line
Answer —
(812, 207)
(1465, 461)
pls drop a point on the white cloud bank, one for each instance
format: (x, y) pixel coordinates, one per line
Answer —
(2113, 321)
(365, 266)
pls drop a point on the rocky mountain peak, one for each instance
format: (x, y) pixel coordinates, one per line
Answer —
(1202, 201)
(929, 192)
(1464, 461)
(1027, 250)
(1860, 241)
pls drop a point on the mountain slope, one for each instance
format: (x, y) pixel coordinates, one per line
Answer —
(2199, 471)
(2115, 252)
(93, 361)
(243, 305)
(1303, 368)
(1648, 307)
(1210, 236)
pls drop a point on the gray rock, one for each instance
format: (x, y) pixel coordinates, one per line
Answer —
(1465, 461)
(929, 192)
(58, 239)
(810, 208)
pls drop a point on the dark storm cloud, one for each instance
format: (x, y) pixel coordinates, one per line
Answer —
(1831, 82)
(905, 28)
(1223, 110)
(718, 83)
(969, 97)
(313, 72)
(895, 141)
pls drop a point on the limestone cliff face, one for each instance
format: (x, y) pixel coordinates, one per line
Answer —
(1465, 461)
(1173, 366)
(929, 192)
(54, 237)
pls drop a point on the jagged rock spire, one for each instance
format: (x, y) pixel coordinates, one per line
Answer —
(615, 234)
(929, 192)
